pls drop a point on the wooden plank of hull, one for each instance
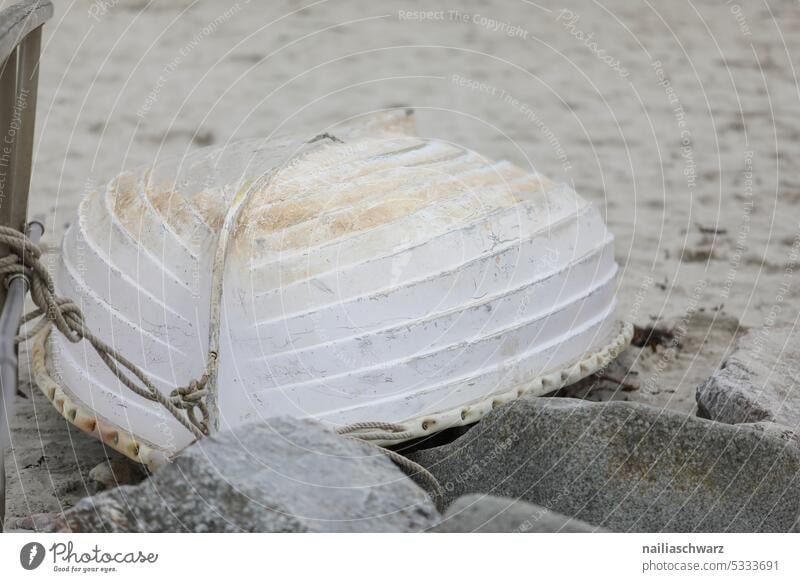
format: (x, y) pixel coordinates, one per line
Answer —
(430, 399)
(361, 301)
(359, 375)
(406, 336)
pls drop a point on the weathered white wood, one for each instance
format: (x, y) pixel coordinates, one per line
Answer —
(375, 276)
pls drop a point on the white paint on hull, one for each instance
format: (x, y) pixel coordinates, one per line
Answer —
(383, 278)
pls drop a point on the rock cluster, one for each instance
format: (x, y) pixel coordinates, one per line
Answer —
(535, 465)
(285, 475)
(758, 383)
(625, 467)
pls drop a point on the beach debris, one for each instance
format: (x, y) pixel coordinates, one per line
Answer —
(620, 375)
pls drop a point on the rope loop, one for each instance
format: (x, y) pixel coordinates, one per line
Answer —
(192, 397)
(369, 432)
(66, 316)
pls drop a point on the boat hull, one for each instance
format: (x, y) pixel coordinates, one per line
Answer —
(376, 277)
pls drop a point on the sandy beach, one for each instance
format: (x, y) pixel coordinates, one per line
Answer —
(681, 121)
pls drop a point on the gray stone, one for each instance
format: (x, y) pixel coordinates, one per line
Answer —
(283, 475)
(113, 473)
(490, 514)
(757, 382)
(625, 467)
(32, 523)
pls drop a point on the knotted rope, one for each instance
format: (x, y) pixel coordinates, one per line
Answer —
(63, 313)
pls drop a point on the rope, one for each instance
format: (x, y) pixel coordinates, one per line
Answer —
(386, 431)
(186, 403)
(61, 312)
(369, 431)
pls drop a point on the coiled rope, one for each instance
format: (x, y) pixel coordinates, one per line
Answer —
(185, 403)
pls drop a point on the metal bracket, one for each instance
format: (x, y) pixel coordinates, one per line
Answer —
(20, 48)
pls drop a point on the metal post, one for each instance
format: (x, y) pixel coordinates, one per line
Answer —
(20, 46)
(25, 109)
(9, 324)
(8, 92)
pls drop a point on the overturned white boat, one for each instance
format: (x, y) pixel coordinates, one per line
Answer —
(367, 275)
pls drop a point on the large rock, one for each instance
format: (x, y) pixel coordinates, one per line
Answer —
(490, 514)
(283, 476)
(625, 467)
(758, 382)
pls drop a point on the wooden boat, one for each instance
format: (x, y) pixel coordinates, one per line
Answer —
(365, 275)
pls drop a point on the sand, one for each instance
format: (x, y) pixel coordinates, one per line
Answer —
(680, 120)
